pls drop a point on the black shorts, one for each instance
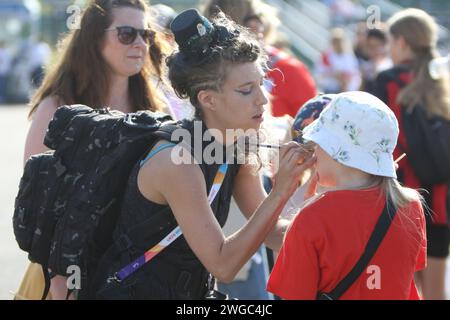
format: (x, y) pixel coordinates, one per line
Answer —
(438, 239)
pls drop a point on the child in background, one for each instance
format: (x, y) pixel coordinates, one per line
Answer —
(355, 136)
(338, 71)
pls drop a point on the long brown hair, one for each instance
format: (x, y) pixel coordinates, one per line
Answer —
(81, 75)
(420, 32)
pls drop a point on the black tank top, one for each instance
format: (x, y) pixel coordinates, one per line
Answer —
(175, 273)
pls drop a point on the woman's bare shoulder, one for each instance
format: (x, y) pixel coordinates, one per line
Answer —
(47, 107)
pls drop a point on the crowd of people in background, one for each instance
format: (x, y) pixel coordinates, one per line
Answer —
(22, 69)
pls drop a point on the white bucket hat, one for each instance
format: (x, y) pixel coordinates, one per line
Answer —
(358, 130)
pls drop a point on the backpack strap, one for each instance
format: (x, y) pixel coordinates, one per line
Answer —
(47, 282)
(156, 151)
(375, 240)
(165, 130)
(128, 270)
(124, 242)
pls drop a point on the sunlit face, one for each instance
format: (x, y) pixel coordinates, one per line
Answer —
(240, 103)
(125, 60)
(326, 168)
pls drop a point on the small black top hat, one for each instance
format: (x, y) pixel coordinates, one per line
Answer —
(197, 36)
(192, 31)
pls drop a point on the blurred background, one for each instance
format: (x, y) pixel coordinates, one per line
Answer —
(31, 29)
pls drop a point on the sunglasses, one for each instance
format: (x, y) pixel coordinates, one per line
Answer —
(127, 35)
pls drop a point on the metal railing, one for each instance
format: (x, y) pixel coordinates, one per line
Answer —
(308, 37)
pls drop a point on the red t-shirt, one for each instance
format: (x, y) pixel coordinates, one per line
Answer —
(293, 85)
(327, 238)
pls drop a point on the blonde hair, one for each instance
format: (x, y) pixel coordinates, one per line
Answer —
(391, 189)
(401, 198)
(399, 195)
(420, 32)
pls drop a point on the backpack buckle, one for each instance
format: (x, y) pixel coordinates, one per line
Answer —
(114, 278)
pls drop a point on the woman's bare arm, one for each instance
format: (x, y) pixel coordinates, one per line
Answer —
(249, 193)
(184, 189)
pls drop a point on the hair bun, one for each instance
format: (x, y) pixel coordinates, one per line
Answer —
(195, 35)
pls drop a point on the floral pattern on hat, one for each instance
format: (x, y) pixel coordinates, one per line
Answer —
(341, 155)
(334, 115)
(383, 147)
(353, 132)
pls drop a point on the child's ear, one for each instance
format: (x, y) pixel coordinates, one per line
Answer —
(207, 99)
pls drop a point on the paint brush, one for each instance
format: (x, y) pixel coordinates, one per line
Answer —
(400, 158)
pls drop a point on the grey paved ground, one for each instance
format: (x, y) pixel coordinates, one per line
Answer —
(13, 128)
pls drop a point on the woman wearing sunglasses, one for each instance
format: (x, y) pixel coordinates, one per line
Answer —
(107, 61)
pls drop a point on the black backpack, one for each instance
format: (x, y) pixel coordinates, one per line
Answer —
(69, 199)
(427, 139)
(428, 142)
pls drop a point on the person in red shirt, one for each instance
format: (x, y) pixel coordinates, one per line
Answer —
(355, 136)
(413, 44)
(292, 84)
